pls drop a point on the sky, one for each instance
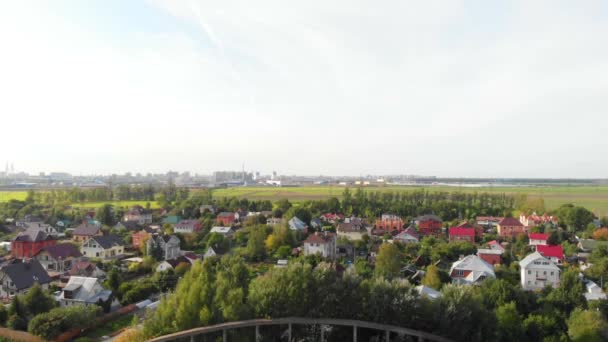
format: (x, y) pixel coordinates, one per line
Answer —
(343, 87)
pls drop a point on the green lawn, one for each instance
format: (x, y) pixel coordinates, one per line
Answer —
(6, 196)
(116, 204)
(592, 197)
(110, 327)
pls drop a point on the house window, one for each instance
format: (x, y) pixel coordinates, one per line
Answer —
(460, 273)
(551, 273)
(97, 254)
(529, 272)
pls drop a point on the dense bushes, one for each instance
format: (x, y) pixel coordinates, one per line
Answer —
(53, 323)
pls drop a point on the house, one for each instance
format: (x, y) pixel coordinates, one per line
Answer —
(103, 247)
(282, 263)
(206, 208)
(273, 221)
(226, 218)
(47, 228)
(28, 243)
(316, 223)
(538, 239)
(477, 228)
(17, 277)
(86, 231)
(407, 236)
(171, 264)
(471, 270)
(588, 245)
(127, 225)
(86, 269)
(428, 292)
(352, 230)
(495, 245)
(538, 272)
(169, 245)
(139, 237)
(138, 214)
(226, 232)
(429, 225)
(332, 218)
(59, 257)
(172, 220)
(593, 291)
(510, 227)
(553, 253)
(537, 220)
(491, 256)
(488, 221)
(462, 234)
(83, 291)
(321, 243)
(187, 226)
(389, 223)
(297, 224)
(210, 252)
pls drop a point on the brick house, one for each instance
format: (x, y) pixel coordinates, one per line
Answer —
(389, 223)
(462, 234)
(429, 225)
(478, 228)
(510, 227)
(28, 243)
(226, 219)
(139, 237)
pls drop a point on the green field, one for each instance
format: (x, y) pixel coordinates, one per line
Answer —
(594, 198)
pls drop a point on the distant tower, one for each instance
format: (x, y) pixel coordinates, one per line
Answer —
(274, 175)
(243, 174)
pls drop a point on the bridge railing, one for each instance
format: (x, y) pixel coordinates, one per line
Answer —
(289, 321)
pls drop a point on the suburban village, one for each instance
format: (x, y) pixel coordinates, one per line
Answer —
(112, 264)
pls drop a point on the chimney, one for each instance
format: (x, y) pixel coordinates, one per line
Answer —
(461, 256)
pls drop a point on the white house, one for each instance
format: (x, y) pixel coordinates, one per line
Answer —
(83, 291)
(538, 239)
(321, 243)
(471, 270)
(18, 277)
(168, 244)
(227, 232)
(103, 247)
(593, 291)
(297, 224)
(352, 230)
(172, 264)
(538, 272)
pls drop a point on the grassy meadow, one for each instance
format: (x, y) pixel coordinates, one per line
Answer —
(594, 198)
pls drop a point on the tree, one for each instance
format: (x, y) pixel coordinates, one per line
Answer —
(51, 324)
(105, 214)
(569, 295)
(255, 249)
(539, 327)
(388, 261)
(509, 323)
(113, 281)
(37, 302)
(462, 317)
(432, 278)
(587, 326)
(601, 234)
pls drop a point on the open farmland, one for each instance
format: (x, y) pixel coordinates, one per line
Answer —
(594, 198)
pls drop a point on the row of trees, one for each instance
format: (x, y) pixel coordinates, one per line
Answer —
(217, 291)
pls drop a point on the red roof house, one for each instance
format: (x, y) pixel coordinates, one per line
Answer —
(496, 245)
(462, 234)
(537, 239)
(553, 253)
(429, 225)
(226, 219)
(478, 228)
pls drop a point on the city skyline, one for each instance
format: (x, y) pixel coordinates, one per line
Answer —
(459, 89)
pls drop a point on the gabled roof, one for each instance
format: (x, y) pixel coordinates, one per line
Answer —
(297, 224)
(87, 230)
(187, 224)
(320, 238)
(457, 231)
(221, 230)
(226, 214)
(62, 251)
(476, 265)
(409, 232)
(350, 227)
(32, 235)
(551, 251)
(489, 251)
(85, 289)
(530, 258)
(510, 221)
(108, 241)
(25, 274)
(590, 244)
(538, 236)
